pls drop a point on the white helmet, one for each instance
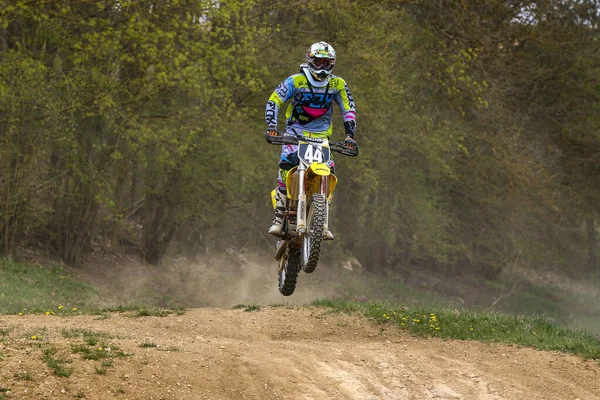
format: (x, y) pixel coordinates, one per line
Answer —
(320, 58)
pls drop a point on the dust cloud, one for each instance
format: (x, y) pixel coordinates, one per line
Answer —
(238, 277)
(217, 280)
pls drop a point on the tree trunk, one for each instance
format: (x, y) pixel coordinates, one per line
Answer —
(159, 228)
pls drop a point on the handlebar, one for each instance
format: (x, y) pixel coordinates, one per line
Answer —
(280, 140)
(338, 147)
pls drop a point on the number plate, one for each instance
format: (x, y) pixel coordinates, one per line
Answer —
(314, 152)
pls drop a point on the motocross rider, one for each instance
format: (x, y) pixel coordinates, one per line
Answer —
(312, 93)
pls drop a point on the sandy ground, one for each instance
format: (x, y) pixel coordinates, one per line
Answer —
(274, 353)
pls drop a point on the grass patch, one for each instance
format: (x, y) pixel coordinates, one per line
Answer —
(147, 344)
(247, 308)
(37, 335)
(152, 312)
(51, 290)
(287, 306)
(24, 376)
(3, 392)
(5, 331)
(90, 353)
(102, 369)
(95, 346)
(137, 310)
(33, 288)
(98, 352)
(57, 364)
(123, 308)
(90, 337)
(538, 332)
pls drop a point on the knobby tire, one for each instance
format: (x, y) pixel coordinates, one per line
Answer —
(288, 275)
(311, 246)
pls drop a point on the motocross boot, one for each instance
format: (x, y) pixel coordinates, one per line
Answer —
(277, 224)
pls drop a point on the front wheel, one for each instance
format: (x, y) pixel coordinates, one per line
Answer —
(289, 266)
(315, 222)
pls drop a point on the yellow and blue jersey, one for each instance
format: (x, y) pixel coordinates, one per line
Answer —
(310, 109)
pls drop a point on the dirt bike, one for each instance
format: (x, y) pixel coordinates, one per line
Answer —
(309, 189)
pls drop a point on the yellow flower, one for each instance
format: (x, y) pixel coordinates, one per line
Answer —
(33, 337)
(60, 307)
(47, 312)
(74, 309)
(20, 314)
(437, 329)
(100, 349)
(416, 320)
(470, 329)
(534, 333)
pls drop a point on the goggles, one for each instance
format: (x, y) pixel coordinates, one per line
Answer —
(321, 62)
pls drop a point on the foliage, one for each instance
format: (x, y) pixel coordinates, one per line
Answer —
(137, 126)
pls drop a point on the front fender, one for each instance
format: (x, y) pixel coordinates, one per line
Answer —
(320, 169)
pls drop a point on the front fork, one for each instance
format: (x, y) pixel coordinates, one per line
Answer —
(301, 216)
(324, 190)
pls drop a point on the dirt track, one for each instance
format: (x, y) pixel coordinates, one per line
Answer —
(277, 353)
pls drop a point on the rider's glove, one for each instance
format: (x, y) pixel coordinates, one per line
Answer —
(272, 132)
(350, 142)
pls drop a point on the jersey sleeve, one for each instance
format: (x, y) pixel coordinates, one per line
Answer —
(345, 100)
(283, 92)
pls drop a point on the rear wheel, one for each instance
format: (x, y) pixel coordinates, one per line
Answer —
(288, 271)
(315, 221)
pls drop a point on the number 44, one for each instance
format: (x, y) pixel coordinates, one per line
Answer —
(313, 154)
